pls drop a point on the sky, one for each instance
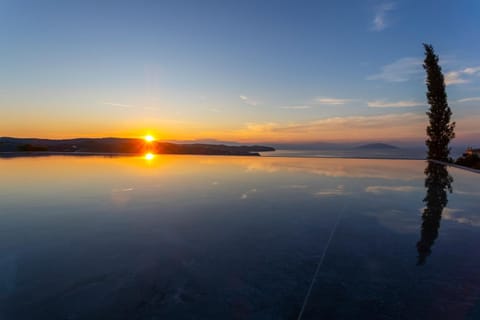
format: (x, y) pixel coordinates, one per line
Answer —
(247, 71)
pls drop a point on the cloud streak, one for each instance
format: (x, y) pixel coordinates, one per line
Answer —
(461, 76)
(248, 101)
(454, 77)
(403, 126)
(379, 22)
(121, 105)
(338, 191)
(382, 189)
(332, 101)
(246, 194)
(453, 215)
(401, 70)
(397, 104)
(299, 107)
(472, 99)
(358, 122)
(472, 70)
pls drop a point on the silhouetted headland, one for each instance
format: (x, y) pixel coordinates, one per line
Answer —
(123, 146)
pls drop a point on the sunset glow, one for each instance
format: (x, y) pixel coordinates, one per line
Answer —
(224, 159)
(233, 86)
(149, 138)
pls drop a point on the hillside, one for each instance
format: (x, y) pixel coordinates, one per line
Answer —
(123, 145)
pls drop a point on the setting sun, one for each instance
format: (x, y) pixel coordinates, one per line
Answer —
(149, 138)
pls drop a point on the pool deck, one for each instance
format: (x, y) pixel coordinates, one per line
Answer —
(456, 166)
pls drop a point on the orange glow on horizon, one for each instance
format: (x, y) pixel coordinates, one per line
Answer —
(149, 138)
(407, 127)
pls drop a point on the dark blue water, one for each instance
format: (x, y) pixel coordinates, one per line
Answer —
(192, 237)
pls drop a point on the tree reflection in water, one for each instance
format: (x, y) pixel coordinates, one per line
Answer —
(437, 182)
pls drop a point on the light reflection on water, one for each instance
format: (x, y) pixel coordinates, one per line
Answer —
(149, 156)
(234, 237)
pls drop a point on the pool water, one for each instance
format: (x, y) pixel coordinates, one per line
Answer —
(212, 237)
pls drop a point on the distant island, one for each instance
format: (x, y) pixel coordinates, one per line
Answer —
(377, 146)
(124, 146)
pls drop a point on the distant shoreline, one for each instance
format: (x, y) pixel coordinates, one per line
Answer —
(115, 146)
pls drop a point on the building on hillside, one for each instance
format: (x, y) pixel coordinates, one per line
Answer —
(470, 151)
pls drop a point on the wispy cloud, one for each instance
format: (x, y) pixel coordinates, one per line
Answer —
(382, 189)
(472, 70)
(398, 221)
(461, 76)
(472, 99)
(338, 191)
(122, 190)
(396, 104)
(261, 127)
(453, 215)
(366, 122)
(248, 101)
(299, 107)
(332, 101)
(401, 70)
(380, 22)
(468, 193)
(351, 128)
(454, 77)
(246, 194)
(296, 186)
(121, 105)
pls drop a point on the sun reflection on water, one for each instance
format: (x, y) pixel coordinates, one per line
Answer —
(149, 156)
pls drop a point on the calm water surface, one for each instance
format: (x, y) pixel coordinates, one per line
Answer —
(197, 237)
(418, 153)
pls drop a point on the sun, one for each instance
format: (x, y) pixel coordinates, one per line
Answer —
(149, 138)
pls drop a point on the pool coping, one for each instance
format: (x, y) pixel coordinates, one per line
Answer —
(455, 166)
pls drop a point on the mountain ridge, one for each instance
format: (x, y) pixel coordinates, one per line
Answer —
(124, 145)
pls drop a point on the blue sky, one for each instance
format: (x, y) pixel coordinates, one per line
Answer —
(236, 70)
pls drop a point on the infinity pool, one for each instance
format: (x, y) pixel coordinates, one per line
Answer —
(197, 237)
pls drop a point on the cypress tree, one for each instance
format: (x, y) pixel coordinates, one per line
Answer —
(440, 130)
